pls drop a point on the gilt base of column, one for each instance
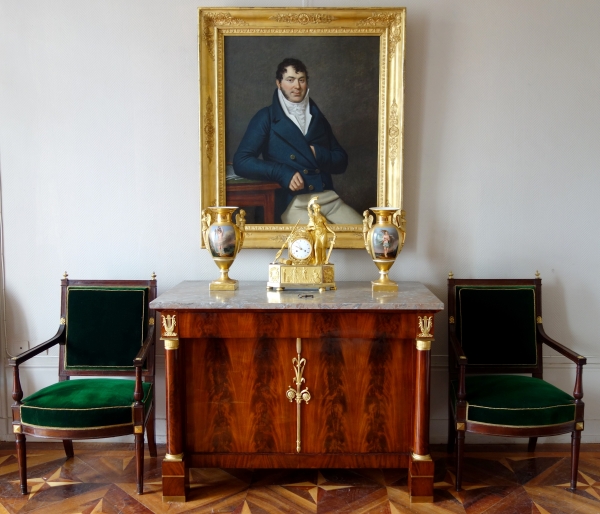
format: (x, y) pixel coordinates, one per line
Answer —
(420, 479)
(174, 481)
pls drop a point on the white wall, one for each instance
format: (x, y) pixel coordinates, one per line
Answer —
(99, 162)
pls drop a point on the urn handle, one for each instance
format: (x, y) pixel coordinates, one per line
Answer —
(367, 224)
(398, 219)
(240, 222)
(206, 221)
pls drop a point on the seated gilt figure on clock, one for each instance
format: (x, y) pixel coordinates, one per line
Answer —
(309, 248)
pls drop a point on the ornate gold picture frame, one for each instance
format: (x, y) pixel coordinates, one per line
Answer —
(222, 103)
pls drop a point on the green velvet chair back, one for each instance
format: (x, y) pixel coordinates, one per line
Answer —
(105, 327)
(496, 325)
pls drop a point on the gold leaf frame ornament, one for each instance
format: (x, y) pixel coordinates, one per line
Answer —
(209, 130)
(216, 24)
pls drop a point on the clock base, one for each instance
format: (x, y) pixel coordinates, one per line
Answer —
(317, 277)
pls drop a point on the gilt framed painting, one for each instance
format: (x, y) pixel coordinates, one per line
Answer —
(296, 103)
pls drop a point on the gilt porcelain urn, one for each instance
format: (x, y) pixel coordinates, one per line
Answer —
(384, 237)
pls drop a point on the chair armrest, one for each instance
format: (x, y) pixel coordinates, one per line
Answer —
(143, 353)
(17, 392)
(138, 362)
(563, 350)
(42, 347)
(461, 360)
(571, 355)
(457, 350)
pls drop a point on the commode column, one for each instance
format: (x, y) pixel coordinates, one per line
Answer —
(420, 471)
(174, 470)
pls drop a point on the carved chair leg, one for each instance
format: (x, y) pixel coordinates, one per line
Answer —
(22, 460)
(575, 445)
(68, 445)
(460, 447)
(451, 430)
(150, 431)
(532, 443)
(139, 462)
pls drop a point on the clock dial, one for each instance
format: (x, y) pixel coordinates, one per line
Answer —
(301, 249)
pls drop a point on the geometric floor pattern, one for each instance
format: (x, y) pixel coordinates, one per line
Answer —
(497, 479)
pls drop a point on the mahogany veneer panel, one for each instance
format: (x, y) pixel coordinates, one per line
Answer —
(361, 399)
(299, 461)
(305, 324)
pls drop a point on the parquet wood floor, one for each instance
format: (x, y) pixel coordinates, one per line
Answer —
(498, 479)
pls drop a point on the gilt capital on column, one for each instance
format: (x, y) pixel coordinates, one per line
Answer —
(168, 331)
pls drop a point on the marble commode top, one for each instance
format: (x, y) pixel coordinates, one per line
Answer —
(254, 296)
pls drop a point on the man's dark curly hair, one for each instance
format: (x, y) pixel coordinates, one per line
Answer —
(294, 63)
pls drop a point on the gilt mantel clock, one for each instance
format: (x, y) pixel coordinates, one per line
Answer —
(308, 247)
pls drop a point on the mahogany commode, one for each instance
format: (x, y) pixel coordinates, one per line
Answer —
(229, 368)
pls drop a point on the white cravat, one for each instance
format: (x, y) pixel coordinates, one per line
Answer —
(298, 112)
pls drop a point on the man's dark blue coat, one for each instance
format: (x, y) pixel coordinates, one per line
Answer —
(285, 150)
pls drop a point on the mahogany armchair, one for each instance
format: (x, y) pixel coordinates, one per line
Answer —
(496, 386)
(107, 332)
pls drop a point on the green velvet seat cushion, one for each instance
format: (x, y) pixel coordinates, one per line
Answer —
(515, 401)
(496, 325)
(106, 326)
(86, 403)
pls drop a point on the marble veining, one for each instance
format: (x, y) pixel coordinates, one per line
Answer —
(254, 296)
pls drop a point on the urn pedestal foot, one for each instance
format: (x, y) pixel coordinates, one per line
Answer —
(224, 283)
(383, 283)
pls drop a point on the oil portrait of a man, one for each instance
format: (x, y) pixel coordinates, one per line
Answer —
(300, 142)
